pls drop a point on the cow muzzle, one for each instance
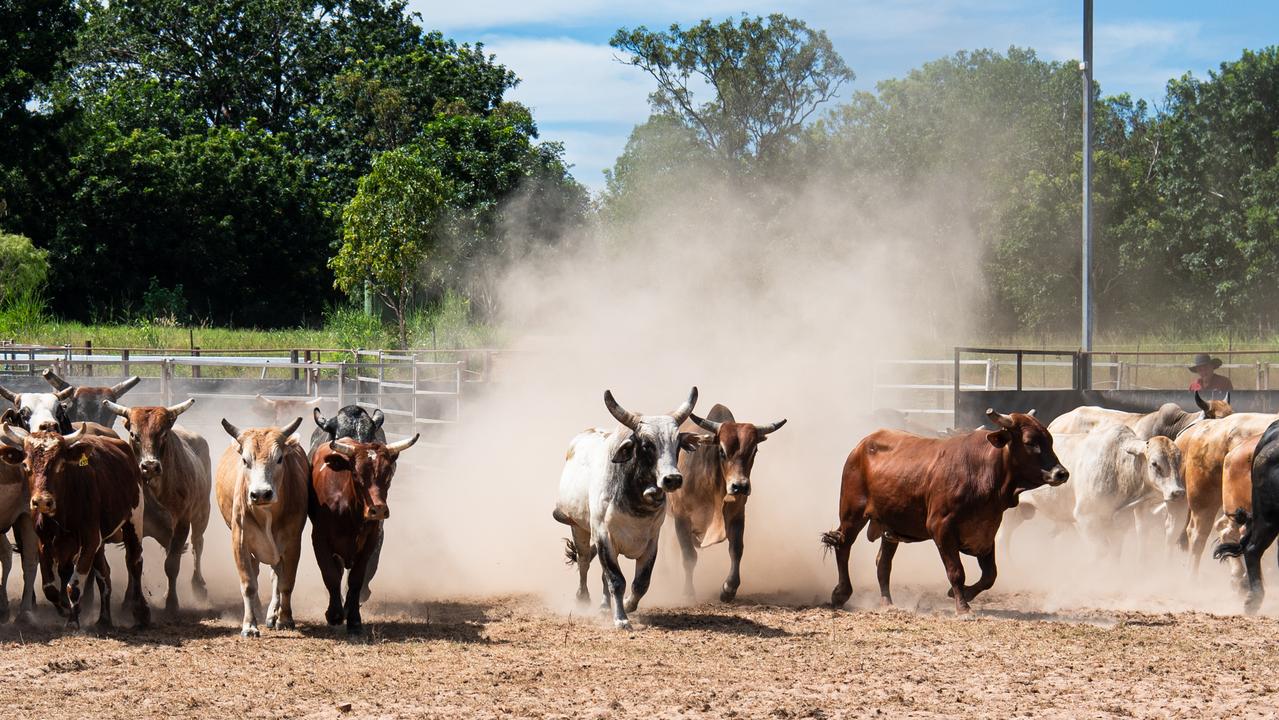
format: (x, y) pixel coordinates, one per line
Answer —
(1056, 476)
(47, 426)
(673, 481)
(150, 468)
(1174, 494)
(740, 489)
(376, 512)
(654, 495)
(44, 504)
(263, 496)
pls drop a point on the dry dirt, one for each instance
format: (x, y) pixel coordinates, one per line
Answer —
(512, 657)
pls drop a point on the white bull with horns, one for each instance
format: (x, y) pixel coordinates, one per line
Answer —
(613, 496)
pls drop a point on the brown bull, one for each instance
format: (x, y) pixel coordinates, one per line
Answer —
(1203, 456)
(85, 490)
(174, 463)
(710, 507)
(951, 490)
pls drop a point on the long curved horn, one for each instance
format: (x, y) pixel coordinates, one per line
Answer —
(9, 395)
(120, 410)
(183, 407)
(624, 416)
(15, 433)
(65, 393)
(1200, 402)
(682, 412)
(342, 448)
(124, 386)
(1227, 400)
(766, 429)
(52, 378)
(291, 428)
(378, 417)
(231, 430)
(703, 423)
(75, 436)
(1002, 421)
(319, 418)
(401, 446)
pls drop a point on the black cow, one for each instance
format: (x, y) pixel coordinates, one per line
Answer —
(1262, 526)
(356, 423)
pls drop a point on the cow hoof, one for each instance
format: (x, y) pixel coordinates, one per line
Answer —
(885, 602)
(251, 632)
(26, 617)
(142, 617)
(727, 596)
(286, 624)
(104, 625)
(356, 630)
(200, 592)
(622, 624)
(583, 599)
(334, 616)
(365, 594)
(839, 596)
(630, 606)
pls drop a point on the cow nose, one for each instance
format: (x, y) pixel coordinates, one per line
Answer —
(262, 496)
(48, 426)
(1059, 475)
(743, 489)
(43, 504)
(377, 512)
(1176, 494)
(150, 467)
(672, 482)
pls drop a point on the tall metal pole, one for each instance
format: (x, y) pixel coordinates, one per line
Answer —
(1086, 290)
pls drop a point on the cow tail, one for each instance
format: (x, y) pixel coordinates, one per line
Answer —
(1235, 549)
(571, 552)
(832, 540)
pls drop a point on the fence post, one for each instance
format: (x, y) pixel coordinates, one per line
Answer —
(990, 373)
(293, 358)
(457, 409)
(166, 379)
(1260, 375)
(124, 361)
(381, 376)
(195, 369)
(1114, 369)
(88, 351)
(341, 389)
(413, 406)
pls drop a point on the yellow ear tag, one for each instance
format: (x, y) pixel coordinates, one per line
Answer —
(84, 460)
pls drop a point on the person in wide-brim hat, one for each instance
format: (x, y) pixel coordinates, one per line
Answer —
(1206, 365)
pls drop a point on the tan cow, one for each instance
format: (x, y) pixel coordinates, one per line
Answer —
(1236, 494)
(262, 492)
(711, 505)
(1169, 420)
(175, 469)
(1203, 455)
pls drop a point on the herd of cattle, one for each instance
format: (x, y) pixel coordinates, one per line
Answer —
(69, 484)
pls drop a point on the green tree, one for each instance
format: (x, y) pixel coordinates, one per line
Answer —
(390, 229)
(23, 267)
(767, 77)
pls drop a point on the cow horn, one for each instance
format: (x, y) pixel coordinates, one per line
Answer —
(341, 448)
(624, 416)
(8, 394)
(1002, 421)
(291, 427)
(1031, 412)
(65, 392)
(1200, 402)
(766, 429)
(14, 433)
(682, 412)
(265, 400)
(124, 386)
(231, 430)
(183, 407)
(319, 418)
(74, 436)
(703, 423)
(401, 446)
(120, 410)
(1227, 400)
(378, 418)
(52, 378)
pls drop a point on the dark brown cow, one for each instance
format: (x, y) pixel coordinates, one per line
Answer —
(174, 463)
(85, 402)
(710, 507)
(951, 490)
(350, 482)
(84, 490)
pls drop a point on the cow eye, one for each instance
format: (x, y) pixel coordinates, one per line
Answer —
(279, 460)
(245, 461)
(722, 453)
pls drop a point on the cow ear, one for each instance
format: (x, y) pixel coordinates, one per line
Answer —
(1135, 449)
(624, 451)
(378, 418)
(999, 438)
(337, 462)
(12, 455)
(688, 442)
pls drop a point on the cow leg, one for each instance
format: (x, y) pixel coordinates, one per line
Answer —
(684, 531)
(987, 579)
(173, 564)
(132, 532)
(841, 540)
(884, 569)
(1197, 531)
(198, 587)
(585, 552)
(736, 530)
(1229, 532)
(6, 566)
(331, 572)
(248, 568)
(286, 576)
(355, 585)
(607, 592)
(616, 583)
(1260, 536)
(102, 577)
(50, 585)
(643, 575)
(90, 546)
(366, 591)
(1012, 520)
(29, 545)
(273, 607)
(948, 548)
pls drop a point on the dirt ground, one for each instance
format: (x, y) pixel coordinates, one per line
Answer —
(512, 657)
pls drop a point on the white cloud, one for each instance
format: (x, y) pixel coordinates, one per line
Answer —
(568, 81)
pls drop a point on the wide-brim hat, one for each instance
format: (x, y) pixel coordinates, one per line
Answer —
(1204, 359)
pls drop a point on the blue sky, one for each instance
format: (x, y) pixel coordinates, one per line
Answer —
(584, 98)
